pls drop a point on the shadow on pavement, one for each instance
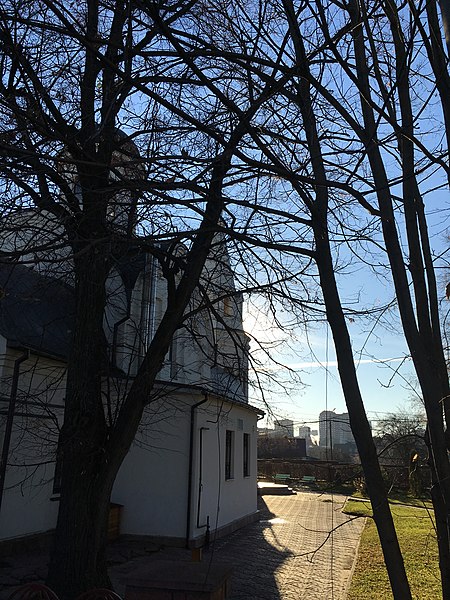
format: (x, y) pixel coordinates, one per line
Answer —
(253, 552)
(254, 558)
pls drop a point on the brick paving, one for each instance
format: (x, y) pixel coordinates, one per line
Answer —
(290, 554)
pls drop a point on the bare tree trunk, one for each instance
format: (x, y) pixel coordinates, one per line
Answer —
(445, 11)
(78, 560)
(335, 315)
(92, 450)
(358, 420)
(421, 327)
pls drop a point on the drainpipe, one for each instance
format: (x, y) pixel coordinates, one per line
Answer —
(191, 466)
(10, 419)
(200, 476)
(151, 312)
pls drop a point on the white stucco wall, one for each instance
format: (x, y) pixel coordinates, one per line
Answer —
(224, 501)
(27, 507)
(151, 483)
(156, 505)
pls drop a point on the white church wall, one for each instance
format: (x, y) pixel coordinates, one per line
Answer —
(27, 506)
(225, 500)
(152, 483)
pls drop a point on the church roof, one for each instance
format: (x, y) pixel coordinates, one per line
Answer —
(36, 312)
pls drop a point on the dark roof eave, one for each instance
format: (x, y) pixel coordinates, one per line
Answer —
(204, 390)
(17, 345)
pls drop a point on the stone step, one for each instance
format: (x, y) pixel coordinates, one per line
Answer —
(275, 489)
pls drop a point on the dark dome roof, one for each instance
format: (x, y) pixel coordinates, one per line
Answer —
(126, 144)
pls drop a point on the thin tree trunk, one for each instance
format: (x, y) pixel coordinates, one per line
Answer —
(421, 327)
(335, 315)
(358, 420)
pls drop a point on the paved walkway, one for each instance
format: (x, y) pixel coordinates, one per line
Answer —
(303, 547)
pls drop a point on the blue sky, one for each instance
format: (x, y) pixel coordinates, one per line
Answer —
(385, 371)
(386, 380)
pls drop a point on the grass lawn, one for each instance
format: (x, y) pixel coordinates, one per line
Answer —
(418, 543)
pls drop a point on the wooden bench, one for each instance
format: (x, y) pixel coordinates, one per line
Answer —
(282, 477)
(308, 479)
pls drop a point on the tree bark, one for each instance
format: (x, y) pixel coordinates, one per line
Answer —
(421, 326)
(335, 315)
(93, 450)
(358, 419)
(78, 560)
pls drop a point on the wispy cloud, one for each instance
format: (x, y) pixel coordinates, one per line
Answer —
(333, 363)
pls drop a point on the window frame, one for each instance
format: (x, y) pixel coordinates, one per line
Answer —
(246, 455)
(229, 454)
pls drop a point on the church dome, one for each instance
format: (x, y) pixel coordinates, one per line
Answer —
(126, 167)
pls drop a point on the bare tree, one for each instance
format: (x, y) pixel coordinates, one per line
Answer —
(298, 124)
(353, 126)
(399, 435)
(106, 126)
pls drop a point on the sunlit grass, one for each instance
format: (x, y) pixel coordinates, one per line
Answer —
(417, 540)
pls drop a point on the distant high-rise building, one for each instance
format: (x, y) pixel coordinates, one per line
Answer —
(284, 428)
(305, 432)
(334, 429)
